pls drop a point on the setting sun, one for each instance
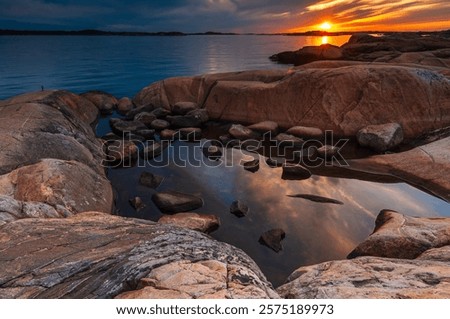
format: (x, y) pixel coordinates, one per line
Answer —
(325, 26)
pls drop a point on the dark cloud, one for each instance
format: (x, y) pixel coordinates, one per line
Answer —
(218, 15)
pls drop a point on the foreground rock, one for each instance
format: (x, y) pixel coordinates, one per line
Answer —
(175, 202)
(400, 236)
(202, 223)
(382, 137)
(94, 255)
(417, 267)
(369, 277)
(340, 97)
(426, 166)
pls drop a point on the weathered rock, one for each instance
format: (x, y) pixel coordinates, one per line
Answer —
(121, 127)
(121, 151)
(182, 108)
(31, 131)
(137, 203)
(168, 134)
(400, 236)
(426, 165)
(295, 172)
(305, 132)
(175, 202)
(105, 102)
(140, 109)
(11, 209)
(159, 125)
(265, 127)
(145, 118)
(369, 277)
(150, 180)
(95, 255)
(381, 137)
(70, 185)
(327, 151)
(190, 134)
(242, 133)
(152, 150)
(284, 140)
(208, 279)
(70, 105)
(124, 105)
(342, 97)
(239, 209)
(202, 223)
(212, 151)
(272, 239)
(180, 121)
(251, 166)
(200, 114)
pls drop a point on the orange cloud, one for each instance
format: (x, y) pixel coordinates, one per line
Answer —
(376, 15)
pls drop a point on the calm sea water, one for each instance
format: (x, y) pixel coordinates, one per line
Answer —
(315, 232)
(123, 65)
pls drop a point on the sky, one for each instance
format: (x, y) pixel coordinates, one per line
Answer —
(269, 16)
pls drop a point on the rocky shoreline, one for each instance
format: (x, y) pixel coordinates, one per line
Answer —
(58, 236)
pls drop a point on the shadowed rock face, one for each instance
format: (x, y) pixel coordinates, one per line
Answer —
(93, 255)
(343, 99)
(417, 265)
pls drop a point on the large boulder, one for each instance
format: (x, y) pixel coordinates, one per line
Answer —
(93, 255)
(339, 98)
(48, 125)
(309, 54)
(400, 236)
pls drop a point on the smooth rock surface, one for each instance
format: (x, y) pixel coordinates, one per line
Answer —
(305, 132)
(175, 202)
(264, 127)
(199, 222)
(124, 105)
(400, 236)
(342, 98)
(93, 255)
(425, 166)
(105, 102)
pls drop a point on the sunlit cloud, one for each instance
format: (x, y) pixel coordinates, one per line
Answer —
(376, 15)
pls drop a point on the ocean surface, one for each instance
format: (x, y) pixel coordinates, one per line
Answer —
(315, 232)
(123, 65)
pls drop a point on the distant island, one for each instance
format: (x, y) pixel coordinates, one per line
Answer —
(90, 32)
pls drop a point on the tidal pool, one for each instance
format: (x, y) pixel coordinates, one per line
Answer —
(315, 232)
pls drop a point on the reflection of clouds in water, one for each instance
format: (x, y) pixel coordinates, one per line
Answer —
(315, 232)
